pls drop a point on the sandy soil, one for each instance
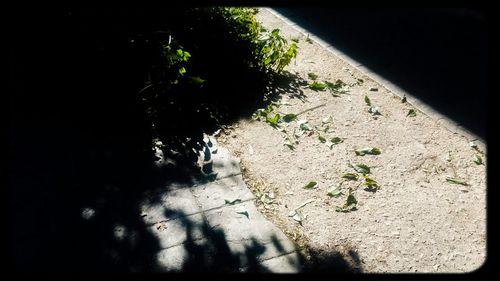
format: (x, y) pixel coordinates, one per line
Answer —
(416, 221)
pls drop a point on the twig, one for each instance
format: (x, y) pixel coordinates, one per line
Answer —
(312, 108)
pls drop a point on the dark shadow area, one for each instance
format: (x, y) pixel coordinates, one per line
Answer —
(440, 55)
(80, 137)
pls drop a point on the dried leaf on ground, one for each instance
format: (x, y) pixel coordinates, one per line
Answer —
(351, 176)
(311, 184)
(350, 205)
(456, 181)
(478, 160)
(289, 117)
(371, 184)
(361, 168)
(322, 139)
(334, 191)
(411, 113)
(367, 150)
(336, 140)
(317, 86)
(367, 101)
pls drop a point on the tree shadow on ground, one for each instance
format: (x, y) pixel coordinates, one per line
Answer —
(80, 153)
(420, 50)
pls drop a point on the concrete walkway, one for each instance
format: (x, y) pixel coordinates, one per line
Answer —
(216, 225)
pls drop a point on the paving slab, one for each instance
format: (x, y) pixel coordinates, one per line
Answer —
(237, 227)
(174, 203)
(289, 263)
(214, 194)
(224, 164)
(178, 231)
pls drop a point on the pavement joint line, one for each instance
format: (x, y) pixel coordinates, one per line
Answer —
(176, 187)
(233, 241)
(200, 212)
(181, 243)
(452, 127)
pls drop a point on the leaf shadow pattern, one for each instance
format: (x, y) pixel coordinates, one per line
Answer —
(80, 153)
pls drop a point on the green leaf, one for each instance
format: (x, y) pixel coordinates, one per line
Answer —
(411, 113)
(289, 117)
(478, 160)
(312, 76)
(456, 181)
(361, 168)
(232, 202)
(197, 80)
(273, 121)
(317, 86)
(371, 184)
(311, 184)
(182, 71)
(321, 139)
(334, 191)
(351, 176)
(350, 205)
(367, 150)
(336, 140)
(245, 213)
(367, 101)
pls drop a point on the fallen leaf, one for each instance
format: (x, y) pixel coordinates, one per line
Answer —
(411, 113)
(373, 89)
(334, 191)
(361, 168)
(274, 120)
(371, 184)
(321, 139)
(351, 176)
(478, 160)
(367, 150)
(336, 140)
(367, 101)
(317, 86)
(350, 205)
(311, 184)
(456, 181)
(403, 99)
(289, 117)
